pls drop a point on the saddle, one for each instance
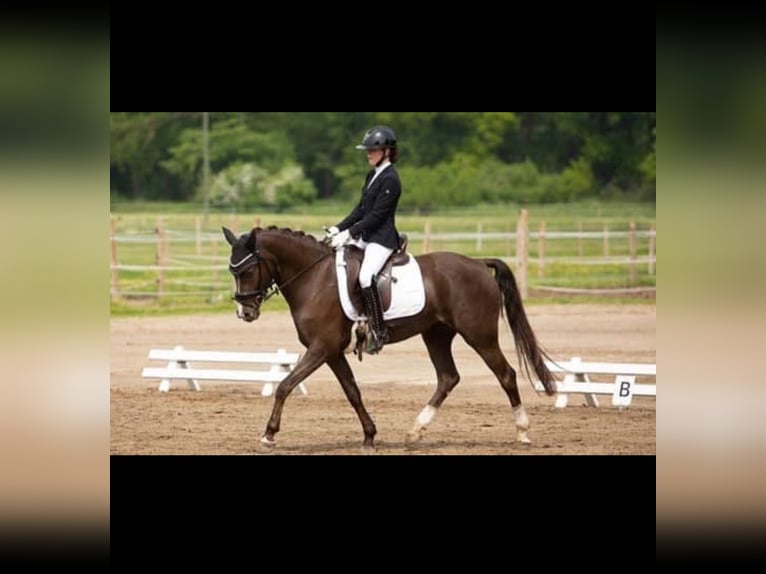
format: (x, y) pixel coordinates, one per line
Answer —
(353, 258)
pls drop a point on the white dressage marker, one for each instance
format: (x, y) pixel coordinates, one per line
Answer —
(179, 367)
(622, 389)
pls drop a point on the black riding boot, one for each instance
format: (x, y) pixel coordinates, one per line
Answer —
(377, 335)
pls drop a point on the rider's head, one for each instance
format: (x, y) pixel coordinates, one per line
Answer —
(380, 143)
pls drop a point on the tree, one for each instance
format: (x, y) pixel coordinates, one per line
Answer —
(231, 142)
(138, 142)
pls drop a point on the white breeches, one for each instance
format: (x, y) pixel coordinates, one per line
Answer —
(375, 255)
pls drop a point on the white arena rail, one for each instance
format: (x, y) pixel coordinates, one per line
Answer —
(179, 367)
(577, 380)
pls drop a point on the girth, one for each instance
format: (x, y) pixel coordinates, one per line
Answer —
(353, 258)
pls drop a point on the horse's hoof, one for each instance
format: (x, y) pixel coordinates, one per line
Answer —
(524, 439)
(413, 437)
(369, 449)
(266, 441)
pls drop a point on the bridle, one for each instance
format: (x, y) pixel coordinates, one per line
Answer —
(260, 295)
(272, 288)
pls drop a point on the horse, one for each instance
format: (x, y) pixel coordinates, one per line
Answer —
(461, 297)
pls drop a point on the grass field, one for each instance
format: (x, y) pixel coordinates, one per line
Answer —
(195, 252)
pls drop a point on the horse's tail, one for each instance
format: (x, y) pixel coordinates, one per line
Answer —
(527, 349)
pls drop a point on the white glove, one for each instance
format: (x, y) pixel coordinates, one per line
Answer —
(340, 239)
(332, 232)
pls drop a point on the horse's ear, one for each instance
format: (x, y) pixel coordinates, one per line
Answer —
(230, 237)
(250, 243)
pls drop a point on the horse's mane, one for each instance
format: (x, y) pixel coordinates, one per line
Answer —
(297, 235)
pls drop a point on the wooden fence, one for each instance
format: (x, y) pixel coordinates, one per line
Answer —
(179, 263)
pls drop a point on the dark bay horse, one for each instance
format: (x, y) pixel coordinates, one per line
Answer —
(461, 297)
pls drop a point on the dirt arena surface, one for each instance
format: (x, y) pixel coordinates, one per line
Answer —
(476, 419)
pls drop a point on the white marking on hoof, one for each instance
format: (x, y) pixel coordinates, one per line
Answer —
(267, 441)
(421, 422)
(426, 416)
(522, 424)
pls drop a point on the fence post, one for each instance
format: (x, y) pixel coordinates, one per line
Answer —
(522, 251)
(579, 239)
(541, 251)
(113, 260)
(652, 249)
(427, 237)
(632, 265)
(606, 241)
(160, 257)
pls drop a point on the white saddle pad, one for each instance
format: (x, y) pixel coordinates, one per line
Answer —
(408, 295)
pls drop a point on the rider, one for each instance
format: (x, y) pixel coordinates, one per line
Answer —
(371, 225)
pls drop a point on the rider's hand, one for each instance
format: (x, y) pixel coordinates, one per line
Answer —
(339, 239)
(330, 233)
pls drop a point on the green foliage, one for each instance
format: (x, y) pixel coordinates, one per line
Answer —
(248, 186)
(524, 183)
(465, 181)
(350, 178)
(492, 129)
(236, 185)
(648, 168)
(447, 158)
(577, 180)
(288, 187)
(231, 142)
(139, 141)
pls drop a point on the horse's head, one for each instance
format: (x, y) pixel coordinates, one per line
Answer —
(251, 274)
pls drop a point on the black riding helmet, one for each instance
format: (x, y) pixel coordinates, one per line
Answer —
(379, 137)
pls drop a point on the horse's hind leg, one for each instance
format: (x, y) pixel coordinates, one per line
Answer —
(345, 375)
(496, 361)
(438, 341)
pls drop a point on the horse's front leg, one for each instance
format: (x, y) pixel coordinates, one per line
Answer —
(342, 370)
(309, 363)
